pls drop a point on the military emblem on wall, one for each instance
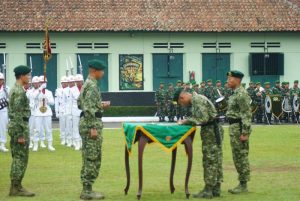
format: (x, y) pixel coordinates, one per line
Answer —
(131, 72)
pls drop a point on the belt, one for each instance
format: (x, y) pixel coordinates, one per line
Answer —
(233, 121)
(97, 115)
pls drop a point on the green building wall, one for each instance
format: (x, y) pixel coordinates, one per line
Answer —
(142, 43)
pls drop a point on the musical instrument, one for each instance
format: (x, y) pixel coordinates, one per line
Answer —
(221, 104)
(286, 105)
(296, 103)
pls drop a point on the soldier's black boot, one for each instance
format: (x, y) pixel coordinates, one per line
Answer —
(16, 189)
(206, 193)
(88, 194)
(216, 191)
(241, 188)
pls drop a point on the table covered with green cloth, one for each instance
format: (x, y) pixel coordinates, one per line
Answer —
(168, 136)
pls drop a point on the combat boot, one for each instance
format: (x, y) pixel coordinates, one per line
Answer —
(216, 191)
(88, 194)
(17, 189)
(205, 193)
(241, 188)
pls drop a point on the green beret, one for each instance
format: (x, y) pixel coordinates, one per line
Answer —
(203, 82)
(193, 82)
(267, 83)
(176, 94)
(187, 83)
(296, 82)
(162, 82)
(209, 80)
(258, 83)
(22, 70)
(179, 81)
(170, 84)
(251, 82)
(235, 73)
(277, 82)
(218, 81)
(283, 83)
(287, 82)
(96, 64)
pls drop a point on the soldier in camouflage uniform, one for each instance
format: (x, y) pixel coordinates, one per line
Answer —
(90, 128)
(204, 114)
(209, 91)
(239, 117)
(196, 88)
(19, 113)
(277, 89)
(202, 88)
(160, 102)
(258, 99)
(295, 91)
(265, 93)
(171, 112)
(179, 109)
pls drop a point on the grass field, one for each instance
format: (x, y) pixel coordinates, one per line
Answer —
(274, 157)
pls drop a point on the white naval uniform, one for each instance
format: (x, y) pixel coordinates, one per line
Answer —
(43, 121)
(68, 114)
(33, 103)
(60, 112)
(3, 115)
(75, 114)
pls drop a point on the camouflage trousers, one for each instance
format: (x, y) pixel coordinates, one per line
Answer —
(161, 110)
(240, 151)
(171, 112)
(19, 155)
(91, 157)
(212, 156)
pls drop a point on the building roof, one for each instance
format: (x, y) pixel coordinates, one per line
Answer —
(151, 15)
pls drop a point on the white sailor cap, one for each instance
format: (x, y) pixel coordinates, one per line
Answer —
(78, 77)
(35, 79)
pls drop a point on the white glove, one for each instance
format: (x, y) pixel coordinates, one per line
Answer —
(43, 86)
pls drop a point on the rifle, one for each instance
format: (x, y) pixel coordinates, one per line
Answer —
(80, 64)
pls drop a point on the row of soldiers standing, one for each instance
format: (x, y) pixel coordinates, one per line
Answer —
(167, 107)
(259, 94)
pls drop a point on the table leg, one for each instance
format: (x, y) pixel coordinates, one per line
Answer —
(172, 188)
(189, 150)
(142, 143)
(127, 170)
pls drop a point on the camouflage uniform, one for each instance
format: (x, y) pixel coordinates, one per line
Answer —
(170, 105)
(209, 93)
(160, 102)
(204, 114)
(202, 91)
(258, 99)
(19, 113)
(90, 103)
(239, 116)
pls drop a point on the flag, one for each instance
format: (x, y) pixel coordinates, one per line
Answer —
(47, 46)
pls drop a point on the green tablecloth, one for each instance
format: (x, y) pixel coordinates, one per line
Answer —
(168, 136)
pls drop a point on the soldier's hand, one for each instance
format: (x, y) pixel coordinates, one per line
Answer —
(93, 133)
(105, 104)
(243, 138)
(21, 140)
(180, 122)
